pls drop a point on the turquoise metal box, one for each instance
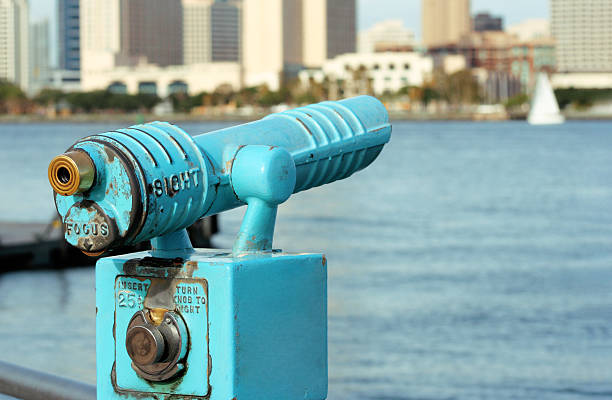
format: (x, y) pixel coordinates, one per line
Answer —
(257, 324)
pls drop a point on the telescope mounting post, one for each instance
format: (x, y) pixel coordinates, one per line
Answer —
(263, 177)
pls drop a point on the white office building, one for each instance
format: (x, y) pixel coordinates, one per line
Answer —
(163, 81)
(14, 51)
(381, 72)
(583, 33)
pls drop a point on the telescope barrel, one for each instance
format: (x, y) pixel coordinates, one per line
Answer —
(328, 141)
(154, 179)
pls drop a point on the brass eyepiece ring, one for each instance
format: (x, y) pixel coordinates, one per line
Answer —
(71, 172)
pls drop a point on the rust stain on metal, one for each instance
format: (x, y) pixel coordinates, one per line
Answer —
(93, 254)
(324, 261)
(304, 125)
(272, 147)
(340, 115)
(378, 129)
(93, 244)
(110, 154)
(228, 165)
(168, 268)
(153, 266)
(112, 189)
(130, 394)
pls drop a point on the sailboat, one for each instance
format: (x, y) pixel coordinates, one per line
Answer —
(544, 107)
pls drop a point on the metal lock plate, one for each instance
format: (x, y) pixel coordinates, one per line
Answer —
(189, 299)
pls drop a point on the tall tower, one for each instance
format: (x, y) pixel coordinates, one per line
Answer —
(328, 30)
(444, 21)
(99, 34)
(39, 55)
(268, 27)
(196, 31)
(152, 31)
(282, 36)
(225, 30)
(583, 34)
(14, 26)
(211, 31)
(69, 35)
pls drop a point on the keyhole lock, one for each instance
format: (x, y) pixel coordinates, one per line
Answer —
(157, 342)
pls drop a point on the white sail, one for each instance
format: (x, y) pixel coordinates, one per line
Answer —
(544, 108)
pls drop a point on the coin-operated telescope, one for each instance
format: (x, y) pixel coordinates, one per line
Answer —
(174, 322)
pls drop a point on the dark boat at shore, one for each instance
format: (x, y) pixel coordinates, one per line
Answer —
(42, 246)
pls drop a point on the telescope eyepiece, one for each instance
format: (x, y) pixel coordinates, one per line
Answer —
(71, 172)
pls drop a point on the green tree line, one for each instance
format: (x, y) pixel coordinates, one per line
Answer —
(455, 89)
(13, 99)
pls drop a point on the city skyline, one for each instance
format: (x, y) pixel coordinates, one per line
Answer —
(369, 12)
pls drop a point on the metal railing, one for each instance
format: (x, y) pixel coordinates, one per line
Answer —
(28, 384)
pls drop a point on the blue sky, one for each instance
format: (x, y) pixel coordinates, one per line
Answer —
(372, 11)
(513, 11)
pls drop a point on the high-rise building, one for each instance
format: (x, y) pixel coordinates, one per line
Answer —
(151, 32)
(14, 57)
(444, 21)
(211, 31)
(282, 36)
(69, 35)
(271, 40)
(484, 22)
(225, 30)
(583, 34)
(40, 72)
(99, 34)
(196, 31)
(328, 30)
(385, 35)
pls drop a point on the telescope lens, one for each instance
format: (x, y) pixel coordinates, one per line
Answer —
(63, 175)
(71, 173)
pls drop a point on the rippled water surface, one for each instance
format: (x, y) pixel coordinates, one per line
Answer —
(470, 261)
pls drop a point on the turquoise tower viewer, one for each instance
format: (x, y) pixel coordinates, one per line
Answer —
(177, 322)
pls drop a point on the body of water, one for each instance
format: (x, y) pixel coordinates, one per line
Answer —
(470, 261)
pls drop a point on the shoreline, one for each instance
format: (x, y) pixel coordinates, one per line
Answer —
(236, 117)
